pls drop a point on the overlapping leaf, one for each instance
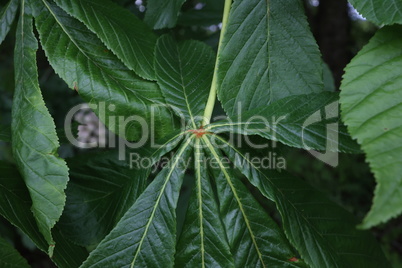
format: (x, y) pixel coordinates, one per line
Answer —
(10, 257)
(254, 238)
(184, 72)
(371, 101)
(380, 11)
(162, 13)
(15, 205)
(267, 53)
(122, 32)
(203, 240)
(34, 139)
(295, 121)
(81, 59)
(7, 15)
(146, 235)
(323, 233)
(103, 187)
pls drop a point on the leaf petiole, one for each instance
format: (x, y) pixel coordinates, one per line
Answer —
(213, 91)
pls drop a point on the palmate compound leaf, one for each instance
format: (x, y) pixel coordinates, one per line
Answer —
(184, 73)
(323, 233)
(371, 103)
(304, 121)
(203, 241)
(267, 53)
(103, 186)
(34, 138)
(122, 32)
(254, 238)
(81, 60)
(379, 11)
(15, 206)
(10, 257)
(146, 235)
(162, 13)
(7, 15)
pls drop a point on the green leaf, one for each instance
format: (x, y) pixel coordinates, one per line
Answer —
(371, 103)
(15, 204)
(103, 187)
(267, 53)
(86, 65)
(380, 11)
(10, 257)
(304, 121)
(203, 240)
(122, 32)
(7, 15)
(148, 225)
(100, 191)
(323, 233)
(184, 72)
(67, 254)
(254, 238)
(34, 139)
(162, 13)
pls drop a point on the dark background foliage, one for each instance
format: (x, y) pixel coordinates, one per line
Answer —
(340, 33)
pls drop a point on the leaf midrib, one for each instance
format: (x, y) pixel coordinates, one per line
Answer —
(199, 196)
(167, 179)
(229, 181)
(184, 87)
